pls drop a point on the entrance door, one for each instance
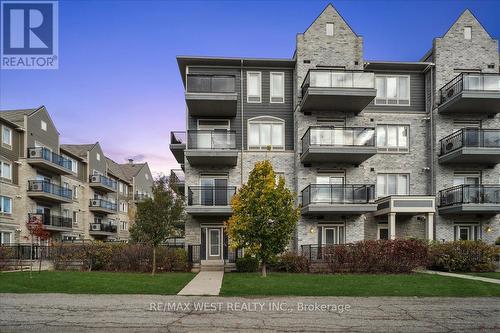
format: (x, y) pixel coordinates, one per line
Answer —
(214, 243)
(330, 236)
(214, 191)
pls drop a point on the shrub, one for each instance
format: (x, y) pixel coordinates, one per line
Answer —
(292, 263)
(6, 255)
(172, 260)
(462, 256)
(247, 264)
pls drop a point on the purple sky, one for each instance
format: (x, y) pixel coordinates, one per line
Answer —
(118, 81)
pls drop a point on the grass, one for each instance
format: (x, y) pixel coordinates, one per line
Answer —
(491, 275)
(282, 284)
(94, 283)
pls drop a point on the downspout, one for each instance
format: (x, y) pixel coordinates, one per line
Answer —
(242, 120)
(433, 171)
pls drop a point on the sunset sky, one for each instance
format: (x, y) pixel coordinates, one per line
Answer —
(118, 81)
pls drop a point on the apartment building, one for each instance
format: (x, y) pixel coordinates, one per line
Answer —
(374, 149)
(74, 190)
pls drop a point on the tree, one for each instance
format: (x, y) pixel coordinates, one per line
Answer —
(36, 229)
(156, 217)
(264, 215)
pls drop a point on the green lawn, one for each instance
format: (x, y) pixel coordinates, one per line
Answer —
(251, 284)
(491, 275)
(94, 283)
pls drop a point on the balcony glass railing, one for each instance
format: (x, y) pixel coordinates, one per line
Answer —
(338, 137)
(100, 203)
(470, 137)
(48, 187)
(327, 78)
(200, 83)
(469, 82)
(177, 138)
(210, 195)
(177, 176)
(467, 194)
(211, 139)
(107, 227)
(337, 194)
(48, 155)
(52, 220)
(103, 180)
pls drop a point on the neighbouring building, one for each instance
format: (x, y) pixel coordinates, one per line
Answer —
(75, 190)
(374, 149)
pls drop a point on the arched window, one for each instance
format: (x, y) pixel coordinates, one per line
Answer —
(264, 132)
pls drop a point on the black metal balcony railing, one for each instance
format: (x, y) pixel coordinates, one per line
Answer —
(337, 194)
(327, 78)
(48, 155)
(194, 255)
(330, 136)
(107, 227)
(470, 137)
(100, 179)
(48, 187)
(201, 83)
(210, 195)
(53, 220)
(469, 82)
(177, 138)
(100, 203)
(467, 194)
(211, 139)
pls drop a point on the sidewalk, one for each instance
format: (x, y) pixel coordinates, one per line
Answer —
(205, 283)
(464, 276)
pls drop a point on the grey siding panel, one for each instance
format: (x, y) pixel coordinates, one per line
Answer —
(417, 95)
(49, 138)
(14, 153)
(142, 184)
(94, 164)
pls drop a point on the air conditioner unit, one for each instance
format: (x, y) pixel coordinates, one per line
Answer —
(36, 186)
(95, 203)
(96, 227)
(94, 179)
(36, 153)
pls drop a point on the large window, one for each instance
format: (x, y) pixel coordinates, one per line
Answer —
(467, 231)
(393, 138)
(5, 205)
(6, 136)
(5, 238)
(266, 132)
(277, 94)
(5, 170)
(392, 184)
(254, 87)
(392, 90)
(74, 164)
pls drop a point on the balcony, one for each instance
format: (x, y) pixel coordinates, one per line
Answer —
(45, 159)
(338, 145)
(474, 93)
(333, 199)
(141, 196)
(178, 145)
(212, 148)
(211, 95)
(471, 145)
(102, 206)
(46, 191)
(52, 222)
(103, 229)
(177, 179)
(473, 199)
(102, 183)
(335, 90)
(210, 200)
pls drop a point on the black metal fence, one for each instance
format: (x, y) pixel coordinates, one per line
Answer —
(469, 82)
(53, 220)
(466, 194)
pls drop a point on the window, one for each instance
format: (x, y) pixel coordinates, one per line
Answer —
(5, 237)
(146, 176)
(120, 186)
(467, 231)
(329, 29)
(392, 90)
(124, 225)
(264, 132)
(392, 184)
(74, 164)
(383, 231)
(75, 218)
(466, 178)
(98, 156)
(332, 234)
(6, 170)
(254, 88)
(5, 205)
(123, 207)
(125, 189)
(43, 125)
(467, 32)
(393, 138)
(6, 136)
(277, 93)
(75, 192)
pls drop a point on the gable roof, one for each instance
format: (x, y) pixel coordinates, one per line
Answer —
(78, 150)
(330, 6)
(130, 170)
(465, 13)
(116, 170)
(17, 116)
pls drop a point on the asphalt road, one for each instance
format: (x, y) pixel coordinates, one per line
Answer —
(145, 313)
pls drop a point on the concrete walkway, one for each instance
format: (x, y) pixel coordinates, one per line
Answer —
(204, 283)
(464, 276)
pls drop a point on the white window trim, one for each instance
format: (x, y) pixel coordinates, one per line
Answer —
(271, 88)
(332, 226)
(398, 76)
(5, 144)
(470, 227)
(397, 149)
(11, 205)
(43, 125)
(387, 183)
(465, 35)
(381, 226)
(326, 28)
(260, 87)
(265, 120)
(1, 168)
(210, 244)
(6, 232)
(98, 156)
